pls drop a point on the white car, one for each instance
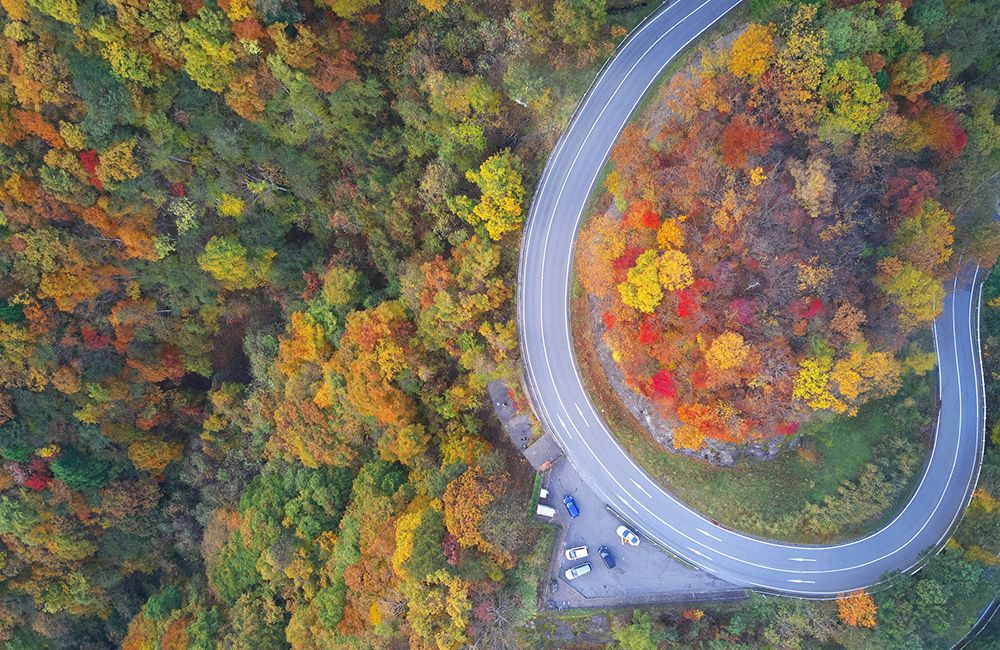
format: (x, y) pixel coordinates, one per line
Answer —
(577, 571)
(627, 536)
(577, 553)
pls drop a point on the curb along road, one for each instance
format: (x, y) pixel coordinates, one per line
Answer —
(562, 404)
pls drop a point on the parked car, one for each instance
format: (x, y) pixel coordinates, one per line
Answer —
(577, 553)
(577, 571)
(627, 536)
(606, 555)
(571, 506)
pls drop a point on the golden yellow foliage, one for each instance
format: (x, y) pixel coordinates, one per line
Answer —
(406, 525)
(432, 5)
(925, 239)
(802, 61)
(729, 350)
(675, 270)
(73, 135)
(642, 289)
(980, 554)
(983, 499)
(728, 213)
(231, 206)
(814, 188)
(671, 233)
(48, 451)
(600, 242)
(153, 455)
(920, 296)
(499, 208)
(921, 363)
(118, 162)
(811, 384)
(688, 437)
(304, 343)
(866, 375)
(753, 51)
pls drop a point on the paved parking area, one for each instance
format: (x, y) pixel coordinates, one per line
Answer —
(642, 573)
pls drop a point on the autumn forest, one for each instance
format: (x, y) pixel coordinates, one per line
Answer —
(780, 227)
(257, 268)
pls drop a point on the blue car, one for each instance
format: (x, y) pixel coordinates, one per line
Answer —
(606, 555)
(571, 506)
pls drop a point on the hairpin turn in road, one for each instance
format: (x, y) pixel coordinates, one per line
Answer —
(557, 391)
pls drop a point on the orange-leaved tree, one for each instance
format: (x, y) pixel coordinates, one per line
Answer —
(856, 609)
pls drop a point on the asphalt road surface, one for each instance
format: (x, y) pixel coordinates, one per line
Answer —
(562, 403)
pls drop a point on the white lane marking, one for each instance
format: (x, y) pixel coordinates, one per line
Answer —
(767, 543)
(976, 380)
(708, 534)
(934, 449)
(759, 541)
(802, 559)
(799, 582)
(645, 24)
(697, 552)
(627, 504)
(565, 428)
(580, 411)
(937, 355)
(644, 491)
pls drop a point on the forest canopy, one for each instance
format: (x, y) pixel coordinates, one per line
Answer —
(781, 222)
(255, 271)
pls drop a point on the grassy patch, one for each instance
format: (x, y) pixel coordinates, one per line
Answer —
(581, 628)
(770, 498)
(534, 492)
(767, 498)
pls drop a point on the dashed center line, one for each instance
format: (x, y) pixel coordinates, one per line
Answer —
(697, 552)
(705, 532)
(563, 425)
(636, 483)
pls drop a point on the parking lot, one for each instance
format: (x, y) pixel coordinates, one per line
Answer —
(642, 573)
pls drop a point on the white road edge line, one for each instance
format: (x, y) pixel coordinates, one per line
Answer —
(544, 407)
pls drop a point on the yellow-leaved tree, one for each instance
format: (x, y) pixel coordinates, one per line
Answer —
(675, 270)
(499, 208)
(229, 262)
(919, 296)
(753, 51)
(642, 289)
(729, 350)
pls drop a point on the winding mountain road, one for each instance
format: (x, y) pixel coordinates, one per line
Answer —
(558, 395)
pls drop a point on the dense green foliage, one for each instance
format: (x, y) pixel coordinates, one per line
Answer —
(256, 269)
